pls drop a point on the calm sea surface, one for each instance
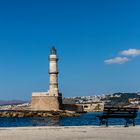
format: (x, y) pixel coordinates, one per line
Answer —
(84, 119)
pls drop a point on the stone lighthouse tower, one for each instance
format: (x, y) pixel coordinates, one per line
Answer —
(53, 91)
(51, 100)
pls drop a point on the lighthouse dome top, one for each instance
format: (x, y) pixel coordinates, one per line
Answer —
(53, 51)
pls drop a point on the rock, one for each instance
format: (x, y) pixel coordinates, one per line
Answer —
(38, 114)
(15, 114)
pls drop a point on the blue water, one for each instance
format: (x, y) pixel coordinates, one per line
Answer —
(84, 119)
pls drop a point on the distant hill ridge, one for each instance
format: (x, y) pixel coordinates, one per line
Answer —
(12, 102)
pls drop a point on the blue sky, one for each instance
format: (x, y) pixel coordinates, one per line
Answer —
(98, 44)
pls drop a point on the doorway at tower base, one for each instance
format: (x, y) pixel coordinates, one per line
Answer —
(42, 101)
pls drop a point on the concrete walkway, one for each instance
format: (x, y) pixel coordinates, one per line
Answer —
(70, 133)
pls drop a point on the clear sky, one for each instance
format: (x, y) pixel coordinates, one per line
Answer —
(98, 43)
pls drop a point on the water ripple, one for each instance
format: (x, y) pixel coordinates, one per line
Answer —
(84, 119)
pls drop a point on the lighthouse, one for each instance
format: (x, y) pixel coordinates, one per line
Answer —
(53, 72)
(51, 100)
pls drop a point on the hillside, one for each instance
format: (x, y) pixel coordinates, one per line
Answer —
(12, 102)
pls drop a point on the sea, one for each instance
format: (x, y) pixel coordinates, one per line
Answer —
(86, 119)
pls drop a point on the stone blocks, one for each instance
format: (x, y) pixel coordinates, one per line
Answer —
(46, 103)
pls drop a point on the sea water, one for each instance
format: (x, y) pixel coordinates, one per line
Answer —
(84, 119)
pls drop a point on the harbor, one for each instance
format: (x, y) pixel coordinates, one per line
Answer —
(86, 119)
(69, 70)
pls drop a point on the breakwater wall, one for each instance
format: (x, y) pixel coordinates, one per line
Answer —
(27, 113)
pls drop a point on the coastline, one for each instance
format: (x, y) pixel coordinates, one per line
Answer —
(70, 133)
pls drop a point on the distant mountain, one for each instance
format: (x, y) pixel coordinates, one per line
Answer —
(12, 102)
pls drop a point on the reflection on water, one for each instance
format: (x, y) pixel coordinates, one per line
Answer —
(45, 121)
(84, 119)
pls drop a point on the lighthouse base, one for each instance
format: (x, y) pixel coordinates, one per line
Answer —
(42, 101)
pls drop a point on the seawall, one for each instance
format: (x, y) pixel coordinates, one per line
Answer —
(29, 113)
